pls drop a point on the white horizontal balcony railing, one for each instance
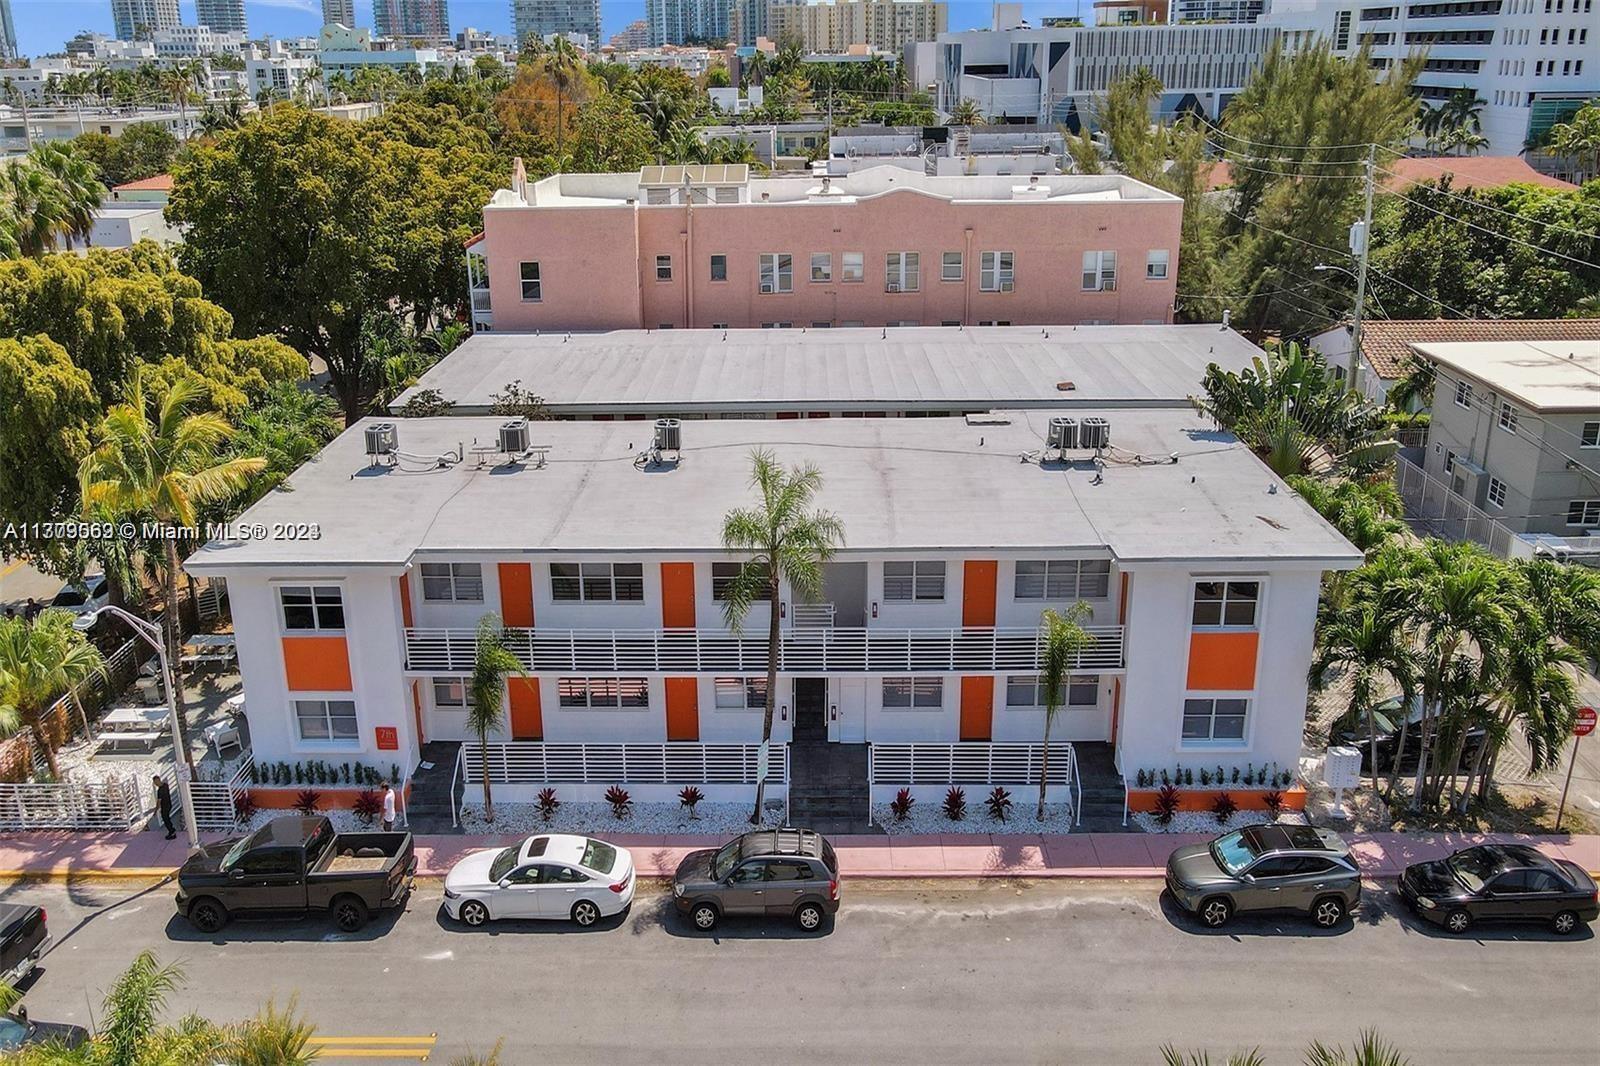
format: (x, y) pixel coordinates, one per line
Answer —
(874, 650)
(966, 764)
(534, 762)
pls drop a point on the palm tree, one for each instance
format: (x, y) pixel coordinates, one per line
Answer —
(79, 190)
(753, 71)
(785, 540)
(1578, 138)
(1373, 647)
(39, 662)
(492, 662)
(1063, 637)
(561, 65)
(966, 113)
(163, 469)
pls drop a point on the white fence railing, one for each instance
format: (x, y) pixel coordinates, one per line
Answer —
(1440, 511)
(966, 764)
(871, 650)
(114, 803)
(534, 762)
(216, 802)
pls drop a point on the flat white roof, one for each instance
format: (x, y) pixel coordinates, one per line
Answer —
(928, 368)
(1551, 375)
(929, 484)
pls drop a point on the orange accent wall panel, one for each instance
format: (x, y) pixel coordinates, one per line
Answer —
(516, 594)
(977, 592)
(316, 664)
(683, 708)
(527, 717)
(677, 595)
(1224, 662)
(977, 707)
(405, 600)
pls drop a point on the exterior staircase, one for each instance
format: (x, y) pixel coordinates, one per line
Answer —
(828, 788)
(1102, 790)
(433, 791)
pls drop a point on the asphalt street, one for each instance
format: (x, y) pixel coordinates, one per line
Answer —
(1041, 971)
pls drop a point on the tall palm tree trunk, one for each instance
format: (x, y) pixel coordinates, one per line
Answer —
(773, 648)
(488, 799)
(1044, 766)
(41, 737)
(1372, 749)
(174, 639)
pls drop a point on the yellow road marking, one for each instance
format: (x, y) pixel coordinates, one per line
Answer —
(430, 1038)
(12, 567)
(375, 1047)
(420, 1054)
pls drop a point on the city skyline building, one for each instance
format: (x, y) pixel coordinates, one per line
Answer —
(537, 18)
(340, 12)
(138, 19)
(221, 16)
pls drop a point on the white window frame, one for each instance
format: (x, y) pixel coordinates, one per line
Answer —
(1508, 417)
(664, 263)
(853, 266)
(1212, 741)
(327, 700)
(922, 570)
(1464, 394)
(776, 271)
(1100, 271)
(1062, 579)
(1496, 493)
(1225, 581)
(739, 693)
(450, 701)
(1081, 682)
(1588, 512)
(455, 576)
(317, 603)
(537, 281)
(723, 575)
(711, 266)
(590, 571)
(902, 270)
(824, 260)
(1157, 262)
(1590, 437)
(946, 262)
(921, 692)
(997, 272)
(608, 689)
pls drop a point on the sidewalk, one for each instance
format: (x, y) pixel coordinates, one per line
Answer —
(1381, 855)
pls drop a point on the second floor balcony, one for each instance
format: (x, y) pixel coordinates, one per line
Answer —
(869, 650)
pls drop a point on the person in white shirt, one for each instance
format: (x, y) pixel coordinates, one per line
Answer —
(388, 807)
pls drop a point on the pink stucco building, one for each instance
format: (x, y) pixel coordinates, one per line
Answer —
(709, 246)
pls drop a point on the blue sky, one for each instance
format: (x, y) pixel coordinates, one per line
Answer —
(44, 25)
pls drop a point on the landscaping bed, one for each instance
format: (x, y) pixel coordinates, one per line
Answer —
(1206, 822)
(715, 820)
(929, 818)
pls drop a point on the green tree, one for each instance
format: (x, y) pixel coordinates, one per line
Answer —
(1369, 644)
(782, 539)
(47, 199)
(163, 469)
(492, 662)
(1578, 138)
(52, 407)
(609, 136)
(966, 113)
(143, 150)
(39, 662)
(1061, 637)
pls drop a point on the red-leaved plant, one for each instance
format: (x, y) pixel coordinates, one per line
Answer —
(621, 802)
(1224, 808)
(306, 801)
(367, 806)
(548, 804)
(689, 797)
(901, 804)
(1166, 804)
(1274, 801)
(955, 803)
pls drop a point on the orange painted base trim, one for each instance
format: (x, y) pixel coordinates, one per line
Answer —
(1200, 799)
(333, 799)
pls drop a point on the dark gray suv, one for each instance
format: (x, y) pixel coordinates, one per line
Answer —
(773, 873)
(1266, 868)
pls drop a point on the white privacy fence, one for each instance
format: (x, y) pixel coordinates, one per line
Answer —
(216, 802)
(113, 803)
(871, 650)
(534, 762)
(938, 766)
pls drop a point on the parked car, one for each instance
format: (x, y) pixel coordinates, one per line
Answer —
(1351, 730)
(17, 1032)
(1500, 882)
(554, 875)
(24, 938)
(775, 873)
(84, 597)
(1266, 868)
(293, 865)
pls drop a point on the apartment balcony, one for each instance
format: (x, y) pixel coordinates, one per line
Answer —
(873, 650)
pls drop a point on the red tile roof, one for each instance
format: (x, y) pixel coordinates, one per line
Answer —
(159, 183)
(1387, 343)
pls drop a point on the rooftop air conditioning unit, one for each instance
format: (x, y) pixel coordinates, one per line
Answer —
(383, 438)
(514, 436)
(766, 288)
(1094, 433)
(1063, 434)
(669, 435)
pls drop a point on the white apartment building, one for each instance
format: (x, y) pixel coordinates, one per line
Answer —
(1532, 62)
(1051, 75)
(693, 61)
(1215, 10)
(193, 42)
(280, 73)
(535, 18)
(838, 25)
(680, 21)
(339, 12)
(138, 19)
(222, 16)
(947, 151)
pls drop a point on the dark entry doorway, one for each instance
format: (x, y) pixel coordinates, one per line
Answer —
(810, 708)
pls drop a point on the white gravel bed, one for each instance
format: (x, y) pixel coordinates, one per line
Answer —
(343, 821)
(929, 817)
(1206, 822)
(596, 819)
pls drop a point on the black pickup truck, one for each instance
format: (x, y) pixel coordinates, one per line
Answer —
(24, 938)
(294, 865)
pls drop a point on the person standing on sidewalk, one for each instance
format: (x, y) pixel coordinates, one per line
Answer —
(164, 804)
(388, 807)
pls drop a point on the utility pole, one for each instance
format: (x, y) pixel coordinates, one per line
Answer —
(1359, 243)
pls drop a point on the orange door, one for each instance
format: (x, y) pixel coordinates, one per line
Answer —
(677, 595)
(527, 718)
(977, 708)
(683, 708)
(516, 594)
(977, 592)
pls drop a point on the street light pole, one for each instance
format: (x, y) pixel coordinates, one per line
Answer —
(151, 633)
(1361, 271)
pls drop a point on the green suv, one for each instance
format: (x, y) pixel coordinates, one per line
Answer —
(1266, 868)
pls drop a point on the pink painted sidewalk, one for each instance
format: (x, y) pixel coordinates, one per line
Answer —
(950, 855)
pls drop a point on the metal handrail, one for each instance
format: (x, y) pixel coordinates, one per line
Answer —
(1077, 787)
(454, 824)
(1124, 802)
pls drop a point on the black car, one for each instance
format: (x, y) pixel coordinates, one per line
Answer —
(1351, 730)
(17, 1032)
(24, 938)
(1500, 882)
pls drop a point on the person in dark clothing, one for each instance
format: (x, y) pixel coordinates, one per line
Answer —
(164, 804)
(33, 609)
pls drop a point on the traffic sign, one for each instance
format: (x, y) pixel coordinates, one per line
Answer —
(1585, 722)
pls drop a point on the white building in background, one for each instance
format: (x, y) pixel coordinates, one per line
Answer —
(947, 151)
(535, 18)
(281, 73)
(1237, 11)
(693, 61)
(681, 21)
(342, 12)
(138, 19)
(1532, 62)
(1051, 75)
(193, 42)
(222, 16)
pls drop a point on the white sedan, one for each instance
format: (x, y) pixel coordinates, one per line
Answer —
(555, 875)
